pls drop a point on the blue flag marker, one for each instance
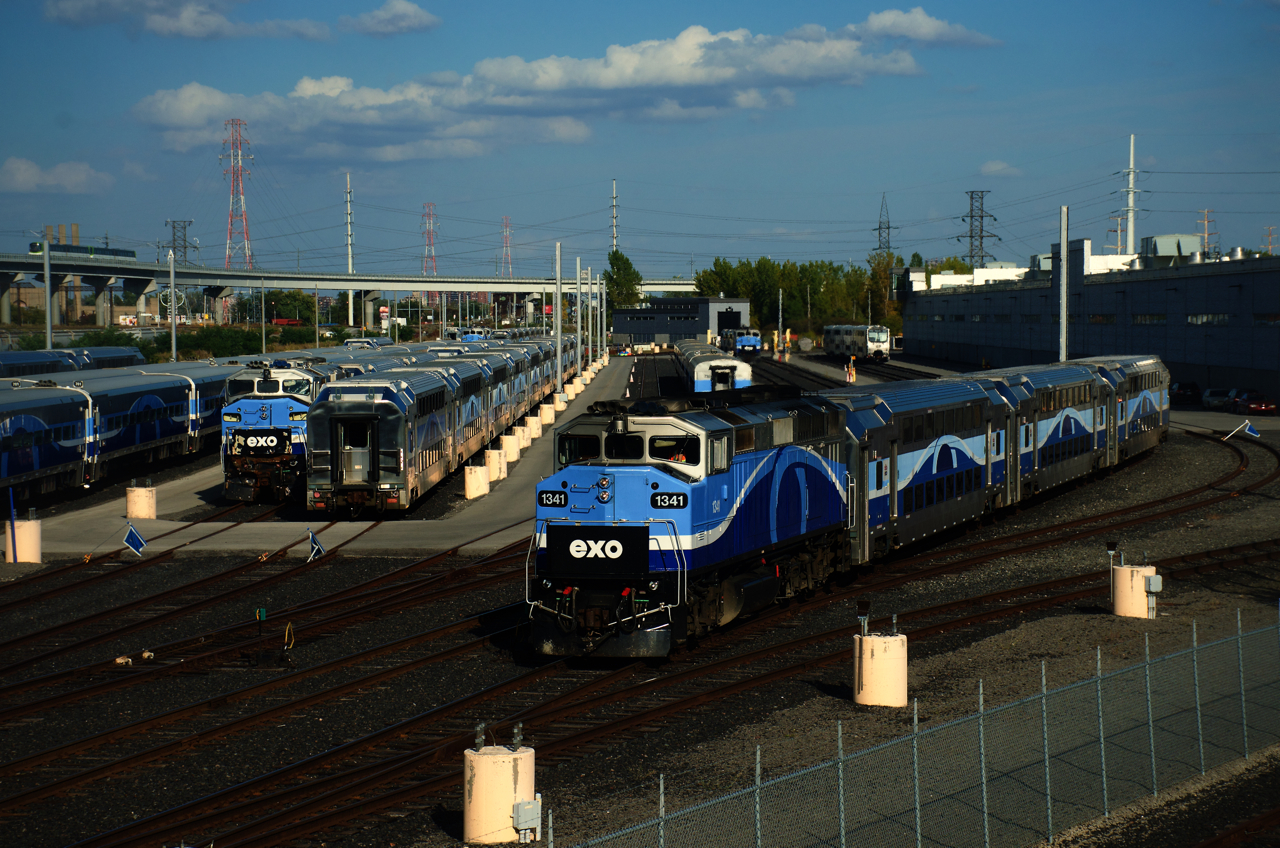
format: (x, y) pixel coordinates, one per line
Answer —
(317, 549)
(133, 540)
(1250, 429)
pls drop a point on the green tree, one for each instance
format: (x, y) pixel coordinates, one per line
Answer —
(622, 281)
(917, 261)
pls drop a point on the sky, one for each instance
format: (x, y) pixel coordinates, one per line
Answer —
(733, 129)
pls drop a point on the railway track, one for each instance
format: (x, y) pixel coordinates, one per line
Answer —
(567, 710)
(766, 370)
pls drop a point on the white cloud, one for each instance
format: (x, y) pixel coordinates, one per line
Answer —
(23, 175)
(201, 19)
(996, 168)
(918, 26)
(395, 17)
(138, 172)
(697, 75)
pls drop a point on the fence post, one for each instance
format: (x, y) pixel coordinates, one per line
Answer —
(662, 811)
(1044, 734)
(915, 764)
(1244, 718)
(551, 829)
(759, 835)
(982, 763)
(1102, 737)
(1151, 727)
(1195, 677)
(840, 772)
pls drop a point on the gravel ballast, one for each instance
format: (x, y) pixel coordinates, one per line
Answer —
(712, 751)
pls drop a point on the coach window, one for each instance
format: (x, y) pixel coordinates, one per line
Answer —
(578, 448)
(919, 427)
(879, 475)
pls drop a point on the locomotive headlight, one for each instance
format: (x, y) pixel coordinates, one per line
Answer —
(230, 416)
(603, 497)
(604, 483)
(298, 416)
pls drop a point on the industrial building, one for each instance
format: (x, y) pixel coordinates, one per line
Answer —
(672, 319)
(1216, 323)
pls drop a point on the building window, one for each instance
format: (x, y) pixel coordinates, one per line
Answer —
(937, 317)
(975, 317)
(1152, 318)
(1102, 318)
(1266, 319)
(1215, 319)
(1031, 319)
(957, 317)
(1003, 318)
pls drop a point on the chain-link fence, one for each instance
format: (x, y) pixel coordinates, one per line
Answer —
(1013, 775)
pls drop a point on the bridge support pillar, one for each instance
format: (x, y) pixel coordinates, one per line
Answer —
(219, 295)
(101, 299)
(8, 283)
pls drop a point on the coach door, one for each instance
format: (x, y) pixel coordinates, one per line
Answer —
(355, 448)
(855, 505)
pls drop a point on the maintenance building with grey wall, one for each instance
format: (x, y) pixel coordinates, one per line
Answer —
(1216, 323)
(673, 319)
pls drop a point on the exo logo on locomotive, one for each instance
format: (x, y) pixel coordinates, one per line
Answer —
(579, 548)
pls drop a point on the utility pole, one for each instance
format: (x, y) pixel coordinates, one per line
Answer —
(1130, 208)
(48, 298)
(1063, 274)
(577, 318)
(173, 314)
(1204, 237)
(559, 358)
(351, 260)
(779, 345)
(1119, 231)
(977, 216)
(1270, 236)
(615, 214)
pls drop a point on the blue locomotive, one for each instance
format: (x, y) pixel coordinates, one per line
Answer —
(667, 519)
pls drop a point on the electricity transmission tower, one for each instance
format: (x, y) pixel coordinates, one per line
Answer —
(1119, 231)
(978, 234)
(883, 229)
(237, 217)
(1205, 234)
(504, 267)
(429, 231)
(1271, 234)
(178, 243)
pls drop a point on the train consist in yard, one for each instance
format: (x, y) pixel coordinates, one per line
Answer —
(741, 342)
(664, 520)
(856, 342)
(384, 439)
(707, 368)
(71, 416)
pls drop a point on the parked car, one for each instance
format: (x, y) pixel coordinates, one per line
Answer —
(1251, 402)
(1184, 394)
(1214, 398)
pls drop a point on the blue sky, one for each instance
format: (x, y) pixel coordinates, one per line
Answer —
(733, 129)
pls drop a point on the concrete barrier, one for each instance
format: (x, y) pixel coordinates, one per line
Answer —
(496, 462)
(511, 447)
(523, 434)
(29, 541)
(561, 402)
(587, 377)
(577, 385)
(477, 481)
(498, 801)
(570, 392)
(534, 423)
(140, 503)
(547, 412)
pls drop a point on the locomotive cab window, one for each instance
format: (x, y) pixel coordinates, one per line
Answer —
(683, 449)
(623, 446)
(578, 448)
